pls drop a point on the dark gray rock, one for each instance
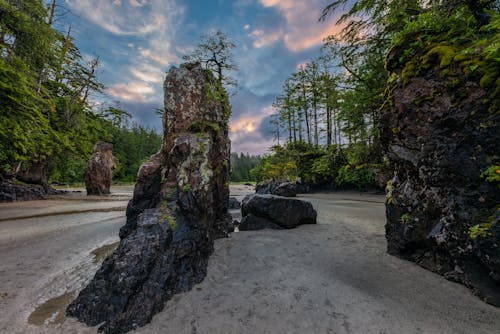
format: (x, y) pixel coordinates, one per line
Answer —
(438, 146)
(12, 192)
(253, 223)
(178, 208)
(234, 203)
(272, 211)
(272, 187)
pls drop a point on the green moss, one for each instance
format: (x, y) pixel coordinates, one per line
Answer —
(172, 223)
(167, 215)
(202, 127)
(492, 174)
(186, 188)
(446, 53)
(216, 93)
(405, 218)
(480, 230)
(409, 71)
(456, 47)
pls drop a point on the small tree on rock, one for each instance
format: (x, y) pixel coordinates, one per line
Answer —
(215, 54)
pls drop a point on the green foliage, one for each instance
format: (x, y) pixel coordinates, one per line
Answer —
(492, 174)
(215, 54)
(132, 147)
(480, 230)
(241, 165)
(45, 117)
(279, 165)
(451, 37)
(361, 176)
(315, 165)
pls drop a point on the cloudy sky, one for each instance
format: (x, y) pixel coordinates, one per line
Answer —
(138, 40)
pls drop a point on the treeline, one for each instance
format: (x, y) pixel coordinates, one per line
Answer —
(48, 125)
(241, 165)
(328, 111)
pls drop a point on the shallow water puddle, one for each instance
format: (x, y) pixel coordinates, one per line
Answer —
(103, 252)
(52, 312)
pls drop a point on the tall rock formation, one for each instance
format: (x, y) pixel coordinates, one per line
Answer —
(179, 207)
(440, 132)
(99, 172)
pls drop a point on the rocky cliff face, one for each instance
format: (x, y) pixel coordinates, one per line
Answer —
(99, 172)
(179, 207)
(440, 132)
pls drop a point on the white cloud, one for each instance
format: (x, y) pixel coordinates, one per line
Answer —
(263, 38)
(138, 3)
(147, 73)
(135, 18)
(153, 25)
(132, 91)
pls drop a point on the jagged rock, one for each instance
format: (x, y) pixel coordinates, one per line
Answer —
(178, 208)
(99, 172)
(12, 192)
(234, 203)
(439, 139)
(285, 188)
(276, 212)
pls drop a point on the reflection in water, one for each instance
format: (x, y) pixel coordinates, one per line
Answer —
(51, 312)
(103, 252)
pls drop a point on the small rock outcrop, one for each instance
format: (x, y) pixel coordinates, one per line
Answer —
(13, 192)
(178, 208)
(234, 203)
(35, 174)
(440, 132)
(99, 172)
(285, 188)
(28, 182)
(275, 212)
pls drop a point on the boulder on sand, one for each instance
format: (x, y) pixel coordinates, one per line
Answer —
(276, 212)
(273, 187)
(99, 172)
(178, 208)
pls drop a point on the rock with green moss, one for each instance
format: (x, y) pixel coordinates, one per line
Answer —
(441, 199)
(179, 206)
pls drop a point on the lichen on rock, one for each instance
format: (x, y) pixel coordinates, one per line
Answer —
(99, 172)
(179, 206)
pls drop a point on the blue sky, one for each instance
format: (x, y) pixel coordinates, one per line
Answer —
(139, 40)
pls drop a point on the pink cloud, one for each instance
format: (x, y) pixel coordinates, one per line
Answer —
(244, 133)
(303, 31)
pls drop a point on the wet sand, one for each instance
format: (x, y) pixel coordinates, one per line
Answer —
(333, 277)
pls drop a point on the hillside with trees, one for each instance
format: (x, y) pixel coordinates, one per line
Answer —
(49, 120)
(329, 110)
